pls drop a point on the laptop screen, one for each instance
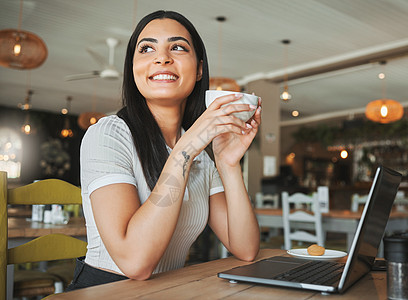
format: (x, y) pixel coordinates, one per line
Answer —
(372, 226)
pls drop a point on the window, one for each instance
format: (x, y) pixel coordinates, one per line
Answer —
(10, 152)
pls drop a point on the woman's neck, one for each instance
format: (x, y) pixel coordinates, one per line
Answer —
(169, 120)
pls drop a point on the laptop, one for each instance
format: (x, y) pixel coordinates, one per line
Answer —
(337, 276)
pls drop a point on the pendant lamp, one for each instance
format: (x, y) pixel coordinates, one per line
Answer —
(285, 96)
(384, 110)
(26, 128)
(87, 119)
(222, 83)
(20, 49)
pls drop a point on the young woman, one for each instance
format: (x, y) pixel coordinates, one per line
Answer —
(148, 186)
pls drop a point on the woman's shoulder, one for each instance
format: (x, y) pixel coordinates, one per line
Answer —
(110, 132)
(107, 130)
(111, 123)
(110, 120)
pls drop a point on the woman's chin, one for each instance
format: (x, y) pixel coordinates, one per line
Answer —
(167, 95)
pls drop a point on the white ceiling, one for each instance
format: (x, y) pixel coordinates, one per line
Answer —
(325, 34)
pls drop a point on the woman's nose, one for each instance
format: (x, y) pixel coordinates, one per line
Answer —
(163, 58)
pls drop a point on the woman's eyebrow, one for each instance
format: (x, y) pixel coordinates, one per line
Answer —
(151, 40)
(178, 38)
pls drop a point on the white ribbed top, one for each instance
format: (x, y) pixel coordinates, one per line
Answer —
(109, 156)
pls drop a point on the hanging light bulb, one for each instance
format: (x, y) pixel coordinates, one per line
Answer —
(64, 111)
(17, 47)
(26, 105)
(66, 130)
(343, 154)
(285, 96)
(26, 127)
(295, 113)
(92, 120)
(384, 111)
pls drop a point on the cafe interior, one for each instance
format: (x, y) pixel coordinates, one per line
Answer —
(332, 76)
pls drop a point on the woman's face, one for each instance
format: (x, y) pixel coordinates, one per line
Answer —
(164, 63)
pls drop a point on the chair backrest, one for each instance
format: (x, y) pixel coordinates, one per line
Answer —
(44, 248)
(271, 200)
(266, 200)
(312, 217)
(357, 200)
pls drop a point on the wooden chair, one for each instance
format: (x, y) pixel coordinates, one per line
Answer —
(271, 201)
(357, 200)
(301, 217)
(44, 248)
(266, 200)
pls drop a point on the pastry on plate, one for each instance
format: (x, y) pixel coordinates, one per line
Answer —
(316, 250)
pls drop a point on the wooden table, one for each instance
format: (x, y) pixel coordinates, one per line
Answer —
(344, 221)
(22, 230)
(18, 212)
(201, 282)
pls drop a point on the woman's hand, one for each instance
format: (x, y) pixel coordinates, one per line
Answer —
(218, 124)
(231, 146)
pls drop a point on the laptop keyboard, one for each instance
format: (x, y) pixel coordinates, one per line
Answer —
(314, 272)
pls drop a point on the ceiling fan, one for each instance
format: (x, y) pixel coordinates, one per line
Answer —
(109, 70)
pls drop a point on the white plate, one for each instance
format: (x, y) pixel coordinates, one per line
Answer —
(328, 254)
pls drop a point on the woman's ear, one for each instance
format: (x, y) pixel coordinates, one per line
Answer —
(199, 71)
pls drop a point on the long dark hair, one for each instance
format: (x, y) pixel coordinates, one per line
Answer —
(147, 136)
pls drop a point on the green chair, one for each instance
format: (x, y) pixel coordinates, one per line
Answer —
(45, 248)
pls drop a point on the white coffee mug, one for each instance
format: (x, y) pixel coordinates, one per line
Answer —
(211, 95)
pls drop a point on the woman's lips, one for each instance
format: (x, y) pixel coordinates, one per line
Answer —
(163, 77)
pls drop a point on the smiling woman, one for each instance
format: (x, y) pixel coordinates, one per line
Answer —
(148, 187)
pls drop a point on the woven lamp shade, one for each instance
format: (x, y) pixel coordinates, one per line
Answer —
(224, 84)
(89, 118)
(394, 111)
(33, 49)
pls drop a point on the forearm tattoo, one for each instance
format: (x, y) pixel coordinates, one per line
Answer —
(170, 183)
(174, 191)
(186, 159)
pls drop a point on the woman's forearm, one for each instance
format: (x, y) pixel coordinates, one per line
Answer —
(243, 229)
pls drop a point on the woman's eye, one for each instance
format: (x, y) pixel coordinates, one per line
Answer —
(179, 48)
(145, 49)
